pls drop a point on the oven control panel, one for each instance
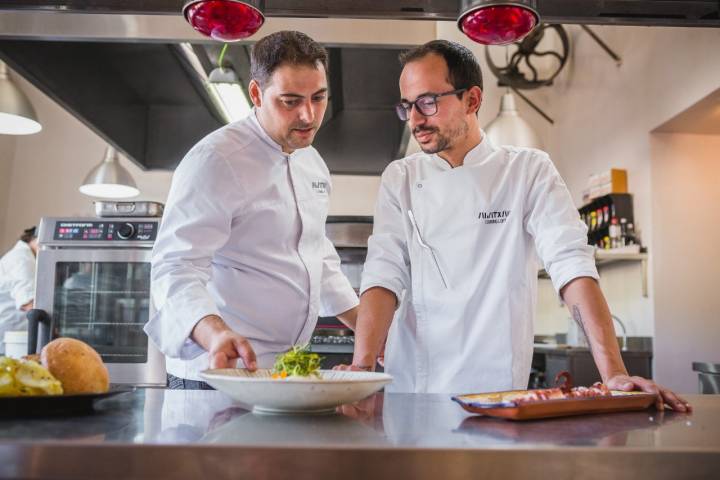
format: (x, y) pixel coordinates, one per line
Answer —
(98, 231)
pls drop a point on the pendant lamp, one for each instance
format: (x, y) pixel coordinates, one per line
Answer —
(509, 128)
(17, 115)
(109, 179)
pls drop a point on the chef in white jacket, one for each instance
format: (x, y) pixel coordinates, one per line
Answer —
(242, 268)
(457, 231)
(17, 284)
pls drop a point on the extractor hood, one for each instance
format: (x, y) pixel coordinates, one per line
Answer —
(148, 101)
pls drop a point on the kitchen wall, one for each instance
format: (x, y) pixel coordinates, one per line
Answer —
(7, 153)
(603, 118)
(686, 235)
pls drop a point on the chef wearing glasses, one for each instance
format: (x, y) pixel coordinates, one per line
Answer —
(457, 229)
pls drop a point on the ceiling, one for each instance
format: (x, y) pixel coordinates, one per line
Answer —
(702, 118)
(592, 12)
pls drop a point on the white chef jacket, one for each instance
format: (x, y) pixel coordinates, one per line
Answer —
(17, 288)
(484, 223)
(243, 237)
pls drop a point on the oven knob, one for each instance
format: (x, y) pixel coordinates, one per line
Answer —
(126, 231)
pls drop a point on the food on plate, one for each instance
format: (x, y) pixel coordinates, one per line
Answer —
(564, 390)
(597, 390)
(77, 365)
(299, 361)
(26, 378)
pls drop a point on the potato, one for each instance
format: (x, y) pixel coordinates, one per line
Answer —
(26, 378)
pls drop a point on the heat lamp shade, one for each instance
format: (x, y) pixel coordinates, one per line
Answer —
(493, 22)
(225, 20)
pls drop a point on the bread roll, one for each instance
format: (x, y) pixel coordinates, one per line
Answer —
(77, 365)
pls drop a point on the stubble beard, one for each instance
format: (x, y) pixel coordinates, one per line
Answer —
(445, 140)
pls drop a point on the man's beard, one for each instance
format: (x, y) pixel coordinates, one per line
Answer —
(444, 140)
(300, 143)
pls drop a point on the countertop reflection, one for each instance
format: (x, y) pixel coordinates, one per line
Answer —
(385, 420)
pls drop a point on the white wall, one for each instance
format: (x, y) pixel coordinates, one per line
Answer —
(7, 153)
(686, 235)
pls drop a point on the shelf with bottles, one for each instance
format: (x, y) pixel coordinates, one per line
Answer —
(610, 221)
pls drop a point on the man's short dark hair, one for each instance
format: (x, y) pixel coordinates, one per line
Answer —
(284, 47)
(29, 234)
(463, 68)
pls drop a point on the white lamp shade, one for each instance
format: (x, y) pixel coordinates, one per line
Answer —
(17, 115)
(509, 128)
(109, 179)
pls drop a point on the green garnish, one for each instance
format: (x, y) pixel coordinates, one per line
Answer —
(299, 361)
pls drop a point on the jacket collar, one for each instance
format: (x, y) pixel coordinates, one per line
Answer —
(260, 131)
(476, 154)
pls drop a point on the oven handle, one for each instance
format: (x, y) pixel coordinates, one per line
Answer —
(36, 317)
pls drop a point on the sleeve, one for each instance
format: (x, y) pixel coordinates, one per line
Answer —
(388, 262)
(336, 293)
(196, 222)
(23, 280)
(554, 223)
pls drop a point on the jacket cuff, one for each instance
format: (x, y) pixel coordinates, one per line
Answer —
(23, 296)
(171, 326)
(394, 285)
(339, 300)
(563, 272)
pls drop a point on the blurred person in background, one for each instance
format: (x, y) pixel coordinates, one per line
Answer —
(17, 283)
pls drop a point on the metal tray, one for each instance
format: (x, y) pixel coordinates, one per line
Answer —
(54, 405)
(501, 404)
(128, 209)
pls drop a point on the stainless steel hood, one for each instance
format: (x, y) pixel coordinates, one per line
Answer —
(149, 102)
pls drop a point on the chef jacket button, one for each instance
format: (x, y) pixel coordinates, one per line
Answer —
(419, 185)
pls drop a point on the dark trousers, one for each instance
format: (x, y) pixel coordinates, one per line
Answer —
(177, 383)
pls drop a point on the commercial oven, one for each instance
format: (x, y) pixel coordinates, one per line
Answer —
(93, 282)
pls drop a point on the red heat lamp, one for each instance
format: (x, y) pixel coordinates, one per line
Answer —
(225, 20)
(493, 22)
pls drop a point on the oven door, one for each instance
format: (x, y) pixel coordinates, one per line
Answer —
(102, 297)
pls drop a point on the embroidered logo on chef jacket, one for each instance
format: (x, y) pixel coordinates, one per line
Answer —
(494, 217)
(320, 187)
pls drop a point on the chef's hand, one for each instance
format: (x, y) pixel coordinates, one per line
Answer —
(224, 346)
(627, 383)
(354, 368)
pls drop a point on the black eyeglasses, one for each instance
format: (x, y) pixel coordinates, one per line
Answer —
(425, 104)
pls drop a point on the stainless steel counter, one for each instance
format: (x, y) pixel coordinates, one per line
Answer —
(200, 434)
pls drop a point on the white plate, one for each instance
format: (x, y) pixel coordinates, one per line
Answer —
(295, 394)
